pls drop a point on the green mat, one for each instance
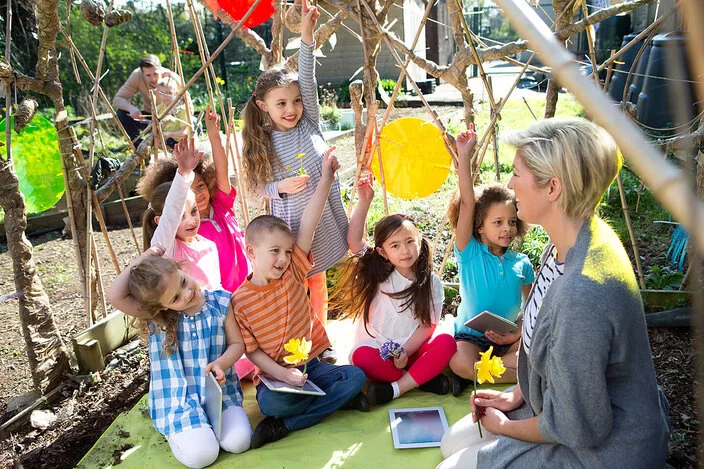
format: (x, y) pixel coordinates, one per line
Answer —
(346, 438)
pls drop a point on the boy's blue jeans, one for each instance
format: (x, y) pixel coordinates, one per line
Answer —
(340, 383)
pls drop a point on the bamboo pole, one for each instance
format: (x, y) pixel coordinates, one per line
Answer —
(101, 288)
(100, 89)
(71, 53)
(231, 135)
(450, 145)
(217, 52)
(129, 220)
(89, 199)
(361, 159)
(381, 174)
(448, 248)
(177, 60)
(631, 233)
(195, 19)
(529, 109)
(668, 183)
(156, 127)
(590, 42)
(654, 25)
(502, 103)
(444, 221)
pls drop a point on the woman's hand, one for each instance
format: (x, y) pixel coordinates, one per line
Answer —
(293, 184)
(503, 339)
(401, 360)
(212, 122)
(186, 155)
(294, 377)
(503, 401)
(494, 420)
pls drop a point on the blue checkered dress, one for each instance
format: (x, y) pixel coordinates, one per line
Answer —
(177, 381)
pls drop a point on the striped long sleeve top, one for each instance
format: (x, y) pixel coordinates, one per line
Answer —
(330, 240)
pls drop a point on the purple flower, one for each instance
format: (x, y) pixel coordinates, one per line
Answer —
(390, 349)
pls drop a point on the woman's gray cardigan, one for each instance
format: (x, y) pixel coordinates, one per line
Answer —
(589, 376)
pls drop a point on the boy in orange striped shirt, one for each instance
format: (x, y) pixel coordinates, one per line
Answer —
(272, 307)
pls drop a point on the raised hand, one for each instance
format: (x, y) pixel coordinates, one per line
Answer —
(330, 164)
(309, 18)
(212, 122)
(465, 143)
(186, 155)
(365, 189)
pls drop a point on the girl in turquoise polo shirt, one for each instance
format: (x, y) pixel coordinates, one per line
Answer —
(492, 277)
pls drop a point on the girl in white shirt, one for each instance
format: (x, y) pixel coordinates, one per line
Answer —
(396, 301)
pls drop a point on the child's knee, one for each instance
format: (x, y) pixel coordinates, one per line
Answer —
(237, 441)
(462, 365)
(196, 448)
(356, 378)
(236, 430)
(446, 342)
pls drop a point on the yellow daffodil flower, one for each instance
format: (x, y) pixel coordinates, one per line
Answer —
(299, 348)
(486, 369)
(220, 81)
(300, 155)
(489, 368)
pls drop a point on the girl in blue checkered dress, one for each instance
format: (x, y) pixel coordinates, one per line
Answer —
(192, 332)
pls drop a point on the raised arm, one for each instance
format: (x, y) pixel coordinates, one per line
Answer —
(465, 222)
(119, 295)
(212, 125)
(306, 62)
(314, 210)
(187, 158)
(355, 232)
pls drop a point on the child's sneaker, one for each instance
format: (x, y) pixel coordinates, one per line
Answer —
(328, 356)
(380, 393)
(438, 385)
(458, 384)
(268, 431)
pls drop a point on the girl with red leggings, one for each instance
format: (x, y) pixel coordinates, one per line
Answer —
(396, 301)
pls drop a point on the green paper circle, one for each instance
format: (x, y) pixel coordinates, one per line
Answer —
(37, 159)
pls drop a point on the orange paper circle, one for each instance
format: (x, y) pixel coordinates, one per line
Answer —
(414, 157)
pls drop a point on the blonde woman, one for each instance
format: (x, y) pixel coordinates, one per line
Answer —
(587, 394)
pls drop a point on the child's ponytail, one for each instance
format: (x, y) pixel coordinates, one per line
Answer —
(154, 209)
(358, 282)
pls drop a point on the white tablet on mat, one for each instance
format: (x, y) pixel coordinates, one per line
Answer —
(417, 428)
(279, 386)
(486, 321)
(213, 404)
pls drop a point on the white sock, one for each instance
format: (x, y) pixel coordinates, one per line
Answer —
(397, 392)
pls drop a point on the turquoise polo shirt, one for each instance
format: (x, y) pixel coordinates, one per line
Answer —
(490, 283)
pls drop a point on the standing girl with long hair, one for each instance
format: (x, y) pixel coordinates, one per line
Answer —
(283, 147)
(396, 300)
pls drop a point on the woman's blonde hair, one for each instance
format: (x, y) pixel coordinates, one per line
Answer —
(146, 284)
(578, 152)
(257, 149)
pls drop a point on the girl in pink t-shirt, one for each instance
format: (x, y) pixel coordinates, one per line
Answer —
(172, 220)
(215, 198)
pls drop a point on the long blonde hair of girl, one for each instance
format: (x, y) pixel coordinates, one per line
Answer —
(146, 284)
(257, 148)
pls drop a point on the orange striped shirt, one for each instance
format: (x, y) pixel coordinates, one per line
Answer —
(270, 315)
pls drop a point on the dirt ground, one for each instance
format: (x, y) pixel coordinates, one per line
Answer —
(86, 406)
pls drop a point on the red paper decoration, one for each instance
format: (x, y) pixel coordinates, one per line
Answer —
(236, 9)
